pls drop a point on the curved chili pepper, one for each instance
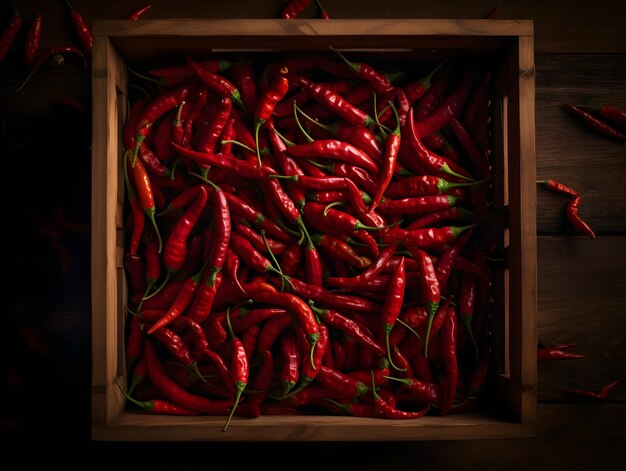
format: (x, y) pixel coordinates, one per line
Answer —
(391, 412)
(571, 211)
(33, 39)
(10, 32)
(81, 28)
(421, 185)
(601, 394)
(266, 104)
(338, 248)
(177, 394)
(252, 257)
(139, 12)
(154, 110)
(219, 84)
(341, 383)
(334, 149)
(214, 128)
(557, 352)
(294, 304)
(424, 392)
(426, 237)
(595, 124)
(175, 247)
(364, 277)
(450, 106)
(379, 82)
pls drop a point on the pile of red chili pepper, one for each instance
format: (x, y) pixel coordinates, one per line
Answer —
(312, 235)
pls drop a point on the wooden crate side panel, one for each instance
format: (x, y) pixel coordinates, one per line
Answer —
(107, 82)
(522, 387)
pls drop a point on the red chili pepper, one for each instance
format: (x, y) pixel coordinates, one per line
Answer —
(431, 290)
(10, 32)
(450, 107)
(219, 84)
(364, 277)
(337, 248)
(479, 160)
(175, 247)
(613, 114)
(493, 13)
(215, 127)
(392, 306)
(154, 110)
(446, 261)
(239, 367)
(266, 104)
(139, 13)
(176, 393)
(558, 187)
(334, 149)
(424, 392)
(33, 39)
(333, 101)
(143, 186)
(449, 358)
(379, 82)
(432, 162)
(557, 352)
(294, 8)
(467, 306)
(595, 124)
(341, 383)
(418, 204)
(571, 211)
(390, 157)
(601, 394)
(82, 30)
(290, 359)
(416, 90)
(391, 412)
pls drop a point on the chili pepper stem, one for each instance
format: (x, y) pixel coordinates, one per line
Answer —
(410, 329)
(240, 144)
(256, 141)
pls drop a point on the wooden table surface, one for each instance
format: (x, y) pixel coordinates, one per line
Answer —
(580, 56)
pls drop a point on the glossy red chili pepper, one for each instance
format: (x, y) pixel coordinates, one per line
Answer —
(416, 89)
(290, 361)
(161, 407)
(341, 383)
(256, 239)
(155, 109)
(243, 168)
(418, 204)
(81, 28)
(571, 212)
(593, 123)
(431, 162)
(391, 412)
(176, 393)
(175, 247)
(239, 367)
(445, 262)
(423, 392)
(152, 163)
(394, 299)
(430, 287)
(33, 39)
(390, 157)
(426, 237)
(421, 185)
(10, 32)
(215, 126)
(252, 257)
(336, 150)
(219, 84)
(139, 12)
(557, 352)
(294, 8)
(451, 106)
(364, 277)
(266, 104)
(558, 187)
(600, 394)
(339, 321)
(337, 248)
(378, 81)
(333, 101)
(138, 214)
(143, 186)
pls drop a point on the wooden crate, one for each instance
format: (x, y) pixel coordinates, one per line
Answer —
(509, 43)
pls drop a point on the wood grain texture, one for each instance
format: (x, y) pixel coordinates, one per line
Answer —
(566, 151)
(581, 300)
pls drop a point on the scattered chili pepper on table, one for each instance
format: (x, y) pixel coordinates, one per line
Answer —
(594, 123)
